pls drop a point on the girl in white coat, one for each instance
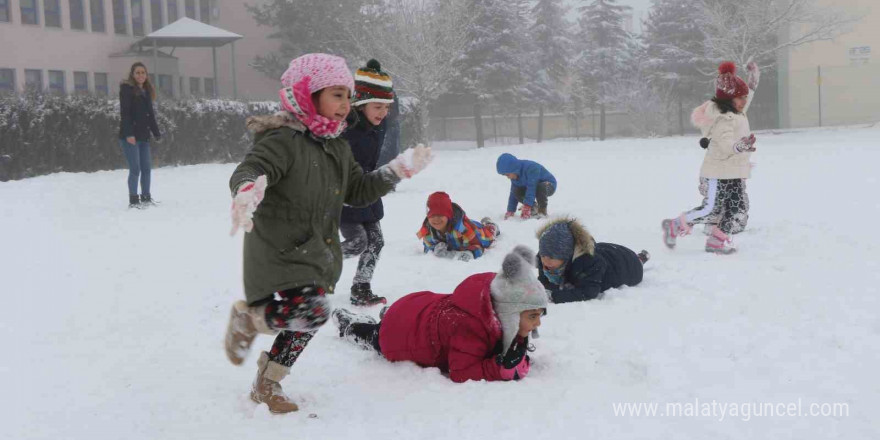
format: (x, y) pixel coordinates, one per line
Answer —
(724, 122)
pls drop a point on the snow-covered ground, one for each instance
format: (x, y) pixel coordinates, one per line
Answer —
(114, 318)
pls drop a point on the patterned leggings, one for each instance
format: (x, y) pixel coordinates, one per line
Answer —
(740, 220)
(298, 315)
(364, 240)
(724, 202)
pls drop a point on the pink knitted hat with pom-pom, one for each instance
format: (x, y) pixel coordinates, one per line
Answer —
(306, 75)
(728, 85)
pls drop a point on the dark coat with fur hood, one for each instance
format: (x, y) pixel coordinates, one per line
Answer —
(295, 240)
(594, 267)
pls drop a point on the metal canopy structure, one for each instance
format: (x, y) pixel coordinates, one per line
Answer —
(187, 32)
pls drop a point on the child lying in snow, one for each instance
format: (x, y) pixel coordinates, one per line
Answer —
(574, 267)
(479, 332)
(449, 233)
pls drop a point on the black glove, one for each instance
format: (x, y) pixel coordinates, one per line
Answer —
(515, 354)
(704, 142)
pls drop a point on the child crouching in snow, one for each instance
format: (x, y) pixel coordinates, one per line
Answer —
(479, 332)
(574, 267)
(289, 190)
(724, 123)
(449, 233)
(530, 184)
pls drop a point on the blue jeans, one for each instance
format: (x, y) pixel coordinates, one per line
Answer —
(138, 157)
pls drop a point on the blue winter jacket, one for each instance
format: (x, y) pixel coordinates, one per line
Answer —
(528, 173)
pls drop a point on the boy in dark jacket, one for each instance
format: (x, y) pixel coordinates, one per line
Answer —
(449, 233)
(373, 95)
(288, 194)
(530, 184)
(574, 267)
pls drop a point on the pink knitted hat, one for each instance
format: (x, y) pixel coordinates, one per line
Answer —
(306, 75)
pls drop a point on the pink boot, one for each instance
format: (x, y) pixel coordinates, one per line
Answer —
(719, 242)
(673, 228)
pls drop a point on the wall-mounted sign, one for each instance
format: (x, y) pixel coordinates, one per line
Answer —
(860, 54)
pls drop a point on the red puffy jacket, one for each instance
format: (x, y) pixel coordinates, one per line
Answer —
(456, 333)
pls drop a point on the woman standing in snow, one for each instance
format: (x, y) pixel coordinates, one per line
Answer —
(373, 96)
(137, 120)
(479, 332)
(724, 123)
(289, 190)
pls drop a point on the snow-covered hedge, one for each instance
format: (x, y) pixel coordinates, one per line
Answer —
(42, 134)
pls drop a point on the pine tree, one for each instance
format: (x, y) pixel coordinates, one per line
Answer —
(676, 52)
(553, 36)
(603, 39)
(492, 68)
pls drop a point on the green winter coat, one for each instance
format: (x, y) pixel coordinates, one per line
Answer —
(295, 240)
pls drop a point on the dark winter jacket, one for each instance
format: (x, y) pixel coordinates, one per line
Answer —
(295, 240)
(137, 117)
(366, 142)
(594, 268)
(465, 235)
(458, 333)
(528, 175)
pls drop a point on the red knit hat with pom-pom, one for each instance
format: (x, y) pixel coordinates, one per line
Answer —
(728, 85)
(439, 203)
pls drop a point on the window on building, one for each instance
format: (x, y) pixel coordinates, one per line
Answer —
(5, 16)
(195, 86)
(101, 84)
(56, 82)
(29, 11)
(52, 13)
(81, 82)
(137, 18)
(210, 91)
(7, 80)
(152, 79)
(166, 86)
(156, 14)
(77, 14)
(190, 6)
(96, 7)
(172, 11)
(33, 79)
(179, 86)
(120, 24)
(205, 11)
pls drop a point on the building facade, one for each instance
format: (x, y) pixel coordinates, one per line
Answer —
(834, 82)
(72, 46)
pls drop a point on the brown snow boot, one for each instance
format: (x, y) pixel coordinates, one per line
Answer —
(244, 324)
(267, 389)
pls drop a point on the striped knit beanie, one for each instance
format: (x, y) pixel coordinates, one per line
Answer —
(371, 84)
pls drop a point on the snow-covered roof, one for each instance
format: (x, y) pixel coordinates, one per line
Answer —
(187, 32)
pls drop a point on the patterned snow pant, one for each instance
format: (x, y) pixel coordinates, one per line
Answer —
(740, 220)
(297, 314)
(724, 203)
(364, 240)
(542, 191)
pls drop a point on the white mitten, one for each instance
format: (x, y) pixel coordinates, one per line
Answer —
(411, 161)
(245, 202)
(754, 75)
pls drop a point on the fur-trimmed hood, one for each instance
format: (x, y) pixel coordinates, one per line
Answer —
(584, 243)
(264, 123)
